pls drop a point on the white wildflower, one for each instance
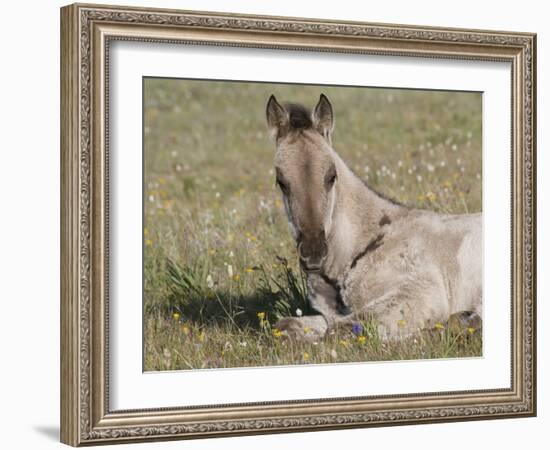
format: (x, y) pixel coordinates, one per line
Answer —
(230, 270)
(209, 281)
(298, 312)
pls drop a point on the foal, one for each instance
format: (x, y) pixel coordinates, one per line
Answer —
(365, 255)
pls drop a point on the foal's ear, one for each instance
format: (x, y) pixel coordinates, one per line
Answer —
(277, 118)
(323, 117)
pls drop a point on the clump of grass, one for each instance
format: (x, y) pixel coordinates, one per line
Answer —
(280, 292)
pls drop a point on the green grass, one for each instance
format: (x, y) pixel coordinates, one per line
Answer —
(218, 253)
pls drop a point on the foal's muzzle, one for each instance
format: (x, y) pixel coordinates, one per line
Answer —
(312, 252)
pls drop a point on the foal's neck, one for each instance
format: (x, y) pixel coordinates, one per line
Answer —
(361, 218)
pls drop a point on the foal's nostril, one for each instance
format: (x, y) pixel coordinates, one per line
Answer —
(312, 253)
(300, 253)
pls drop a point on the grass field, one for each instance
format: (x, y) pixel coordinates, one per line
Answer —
(220, 266)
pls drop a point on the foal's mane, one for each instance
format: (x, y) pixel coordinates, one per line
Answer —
(299, 116)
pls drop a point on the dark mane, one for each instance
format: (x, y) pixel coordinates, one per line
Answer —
(299, 116)
(382, 195)
(376, 192)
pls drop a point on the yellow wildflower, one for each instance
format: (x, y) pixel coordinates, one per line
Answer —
(307, 330)
(236, 277)
(420, 198)
(401, 323)
(185, 329)
(343, 343)
(306, 356)
(261, 315)
(439, 326)
(277, 333)
(249, 270)
(145, 231)
(471, 330)
(201, 336)
(148, 242)
(361, 339)
(176, 316)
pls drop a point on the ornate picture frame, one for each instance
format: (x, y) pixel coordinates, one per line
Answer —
(87, 31)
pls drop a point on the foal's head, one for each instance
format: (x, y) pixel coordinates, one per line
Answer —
(306, 174)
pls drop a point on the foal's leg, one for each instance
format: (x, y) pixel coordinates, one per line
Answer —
(324, 297)
(405, 310)
(307, 328)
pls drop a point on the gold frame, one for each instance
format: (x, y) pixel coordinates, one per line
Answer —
(86, 31)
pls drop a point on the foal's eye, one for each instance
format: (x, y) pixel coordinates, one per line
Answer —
(283, 186)
(330, 179)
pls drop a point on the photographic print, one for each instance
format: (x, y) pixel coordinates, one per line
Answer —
(278, 203)
(290, 224)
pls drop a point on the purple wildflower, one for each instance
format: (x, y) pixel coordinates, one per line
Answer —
(356, 328)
